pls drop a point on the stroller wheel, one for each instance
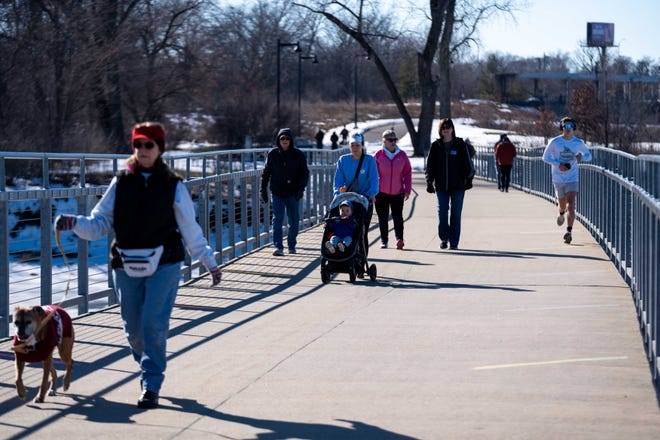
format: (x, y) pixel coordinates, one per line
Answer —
(351, 274)
(372, 272)
(324, 276)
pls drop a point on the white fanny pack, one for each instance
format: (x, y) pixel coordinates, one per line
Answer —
(140, 263)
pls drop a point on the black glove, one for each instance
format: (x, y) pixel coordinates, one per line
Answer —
(65, 222)
(299, 194)
(264, 196)
(216, 275)
(429, 188)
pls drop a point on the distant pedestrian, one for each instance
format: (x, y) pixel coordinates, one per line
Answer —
(149, 210)
(344, 136)
(287, 173)
(333, 140)
(449, 173)
(498, 170)
(319, 138)
(395, 184)
(564, 153)
(471, 149)
(505, 152)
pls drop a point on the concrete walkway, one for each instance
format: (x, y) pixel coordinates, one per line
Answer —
(514, 336)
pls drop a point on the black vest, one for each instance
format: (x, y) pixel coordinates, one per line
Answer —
(144, 216)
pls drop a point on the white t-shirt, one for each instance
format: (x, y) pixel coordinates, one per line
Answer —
(560, 150)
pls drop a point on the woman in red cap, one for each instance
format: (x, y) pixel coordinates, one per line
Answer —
(150, 211)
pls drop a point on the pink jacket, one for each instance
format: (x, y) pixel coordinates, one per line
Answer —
(395, 175)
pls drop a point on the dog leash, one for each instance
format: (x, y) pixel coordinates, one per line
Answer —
(32, 340)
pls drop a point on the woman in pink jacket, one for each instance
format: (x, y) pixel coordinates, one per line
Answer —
(395, 180)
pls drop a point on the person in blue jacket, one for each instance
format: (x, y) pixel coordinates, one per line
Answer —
(357, 172)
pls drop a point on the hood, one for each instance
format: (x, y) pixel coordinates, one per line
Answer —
(287, 132)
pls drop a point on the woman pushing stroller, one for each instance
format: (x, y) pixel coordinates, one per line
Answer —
(357, 172)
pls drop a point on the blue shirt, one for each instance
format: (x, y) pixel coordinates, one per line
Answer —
(367, 182)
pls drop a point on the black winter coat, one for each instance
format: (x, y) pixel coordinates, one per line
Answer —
(286, 171)
(449, 168)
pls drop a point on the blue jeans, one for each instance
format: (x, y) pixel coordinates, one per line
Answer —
(146, 305)
(293, 213)
(450, 206)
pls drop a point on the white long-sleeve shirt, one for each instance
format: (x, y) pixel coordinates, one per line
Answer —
(560, 150)
(101, 220)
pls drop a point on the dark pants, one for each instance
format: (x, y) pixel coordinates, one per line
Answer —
(385, 203)
(506, 176)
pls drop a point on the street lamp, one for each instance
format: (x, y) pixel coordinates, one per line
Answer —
(355, 88)
(315, 60)
(296, 49)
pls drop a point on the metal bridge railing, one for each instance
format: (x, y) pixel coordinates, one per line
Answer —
(225, 186)
(619, 203)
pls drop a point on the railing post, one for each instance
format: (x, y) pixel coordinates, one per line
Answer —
(231, 215)
(244, 212)
(255, 204)
(83, 261)
(46, 251)
(4, 256)
(203, 210)
(217, 208)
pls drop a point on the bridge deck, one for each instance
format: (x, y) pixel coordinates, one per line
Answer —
(516, 335)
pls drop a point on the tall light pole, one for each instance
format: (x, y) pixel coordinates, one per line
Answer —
(355, 89)
(296, 48)
(315, 60)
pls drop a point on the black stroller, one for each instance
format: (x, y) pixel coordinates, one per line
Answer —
(353, 259)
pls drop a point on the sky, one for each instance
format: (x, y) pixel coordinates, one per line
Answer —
(552, 26)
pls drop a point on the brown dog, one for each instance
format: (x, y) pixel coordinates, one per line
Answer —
(37, 331)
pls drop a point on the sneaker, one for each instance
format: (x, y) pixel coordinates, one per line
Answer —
(341, 246)
(383, 245)
(148, 400)
(278, 252)
(568, 237)
(443, 245)
(560, 219)
(330, 247)
(453, 248)
(399, 244)
(292, 250)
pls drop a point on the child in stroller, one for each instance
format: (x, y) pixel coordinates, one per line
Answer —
(343, 248)
(342, 229)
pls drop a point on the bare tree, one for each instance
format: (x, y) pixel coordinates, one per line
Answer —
(358, 24)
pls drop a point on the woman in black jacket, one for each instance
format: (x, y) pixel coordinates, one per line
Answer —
(449, 173)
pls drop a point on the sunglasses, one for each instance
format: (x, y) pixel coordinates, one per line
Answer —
(447, 127)
(285, 138)
(148, 145)
(569, 125)
(391, 139)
